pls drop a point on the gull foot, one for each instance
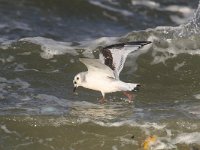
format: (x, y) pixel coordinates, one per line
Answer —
(130, 96)
(102, 100)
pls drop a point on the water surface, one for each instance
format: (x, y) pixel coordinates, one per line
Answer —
(41, 42)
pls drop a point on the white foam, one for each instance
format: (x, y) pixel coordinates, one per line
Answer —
(51, 98)
(49, 110)
(23, 145)
(19, 67)
(161, 145)
(186, 12)
(179, 20)
(19, 82)
(188, 138)
(5, 43)
(197, 96)
(49, 104)
(114, 147)
(178, 66)
(124, 141)
(3, 26)
(195, 110)
(3, 79)
(20, 25)
(101, 5)
(25, 53)
(5, 129)
(192, 110)
(52, 48)
(112, 17)
(7, 60)
(132, 123)
(172, 47)
(169, 48)
(47, 97)
(26, 98)
(150, 4)
(187, 125)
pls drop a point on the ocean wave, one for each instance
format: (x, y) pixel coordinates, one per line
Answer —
(110, 8)
(188, 138)
(187, 12)
(52, 48)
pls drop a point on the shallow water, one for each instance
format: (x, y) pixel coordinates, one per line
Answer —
(40, 46)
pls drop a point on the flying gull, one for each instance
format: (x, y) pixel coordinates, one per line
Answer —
(103, 73)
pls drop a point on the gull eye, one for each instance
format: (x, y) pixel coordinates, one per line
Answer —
(77, 78)
(75, 82)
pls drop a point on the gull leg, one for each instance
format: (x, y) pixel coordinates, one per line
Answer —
(129, 95)
(102, 100)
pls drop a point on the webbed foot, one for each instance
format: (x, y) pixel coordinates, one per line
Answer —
(102, 100)
(130, 96)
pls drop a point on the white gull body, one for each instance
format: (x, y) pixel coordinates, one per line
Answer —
(103, 73)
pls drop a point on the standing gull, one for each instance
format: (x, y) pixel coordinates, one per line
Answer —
(103, 73)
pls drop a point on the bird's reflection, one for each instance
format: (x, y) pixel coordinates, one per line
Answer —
(109, 111)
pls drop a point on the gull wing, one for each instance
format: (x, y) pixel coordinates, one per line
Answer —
(114, 56)
(95, 65)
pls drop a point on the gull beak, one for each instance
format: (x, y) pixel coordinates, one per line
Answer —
(74, 90)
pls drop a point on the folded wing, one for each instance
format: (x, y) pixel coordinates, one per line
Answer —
(95, 65)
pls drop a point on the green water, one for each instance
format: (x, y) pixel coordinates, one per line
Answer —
(40, 46)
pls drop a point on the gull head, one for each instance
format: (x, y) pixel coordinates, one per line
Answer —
(78, 79)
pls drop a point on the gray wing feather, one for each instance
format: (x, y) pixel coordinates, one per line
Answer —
(114, 56)
(95, 65)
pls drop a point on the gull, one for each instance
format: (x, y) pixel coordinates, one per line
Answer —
(103, 73)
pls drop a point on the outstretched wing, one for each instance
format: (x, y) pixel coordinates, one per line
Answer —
(95, 66)
(114, 56)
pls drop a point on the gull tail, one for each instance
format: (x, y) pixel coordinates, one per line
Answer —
(129, 86)
(135, 89)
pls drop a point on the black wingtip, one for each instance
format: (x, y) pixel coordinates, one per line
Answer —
(119, 45)
(142, 43)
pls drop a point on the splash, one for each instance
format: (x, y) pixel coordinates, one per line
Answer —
(51, 48)
(168, 42)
